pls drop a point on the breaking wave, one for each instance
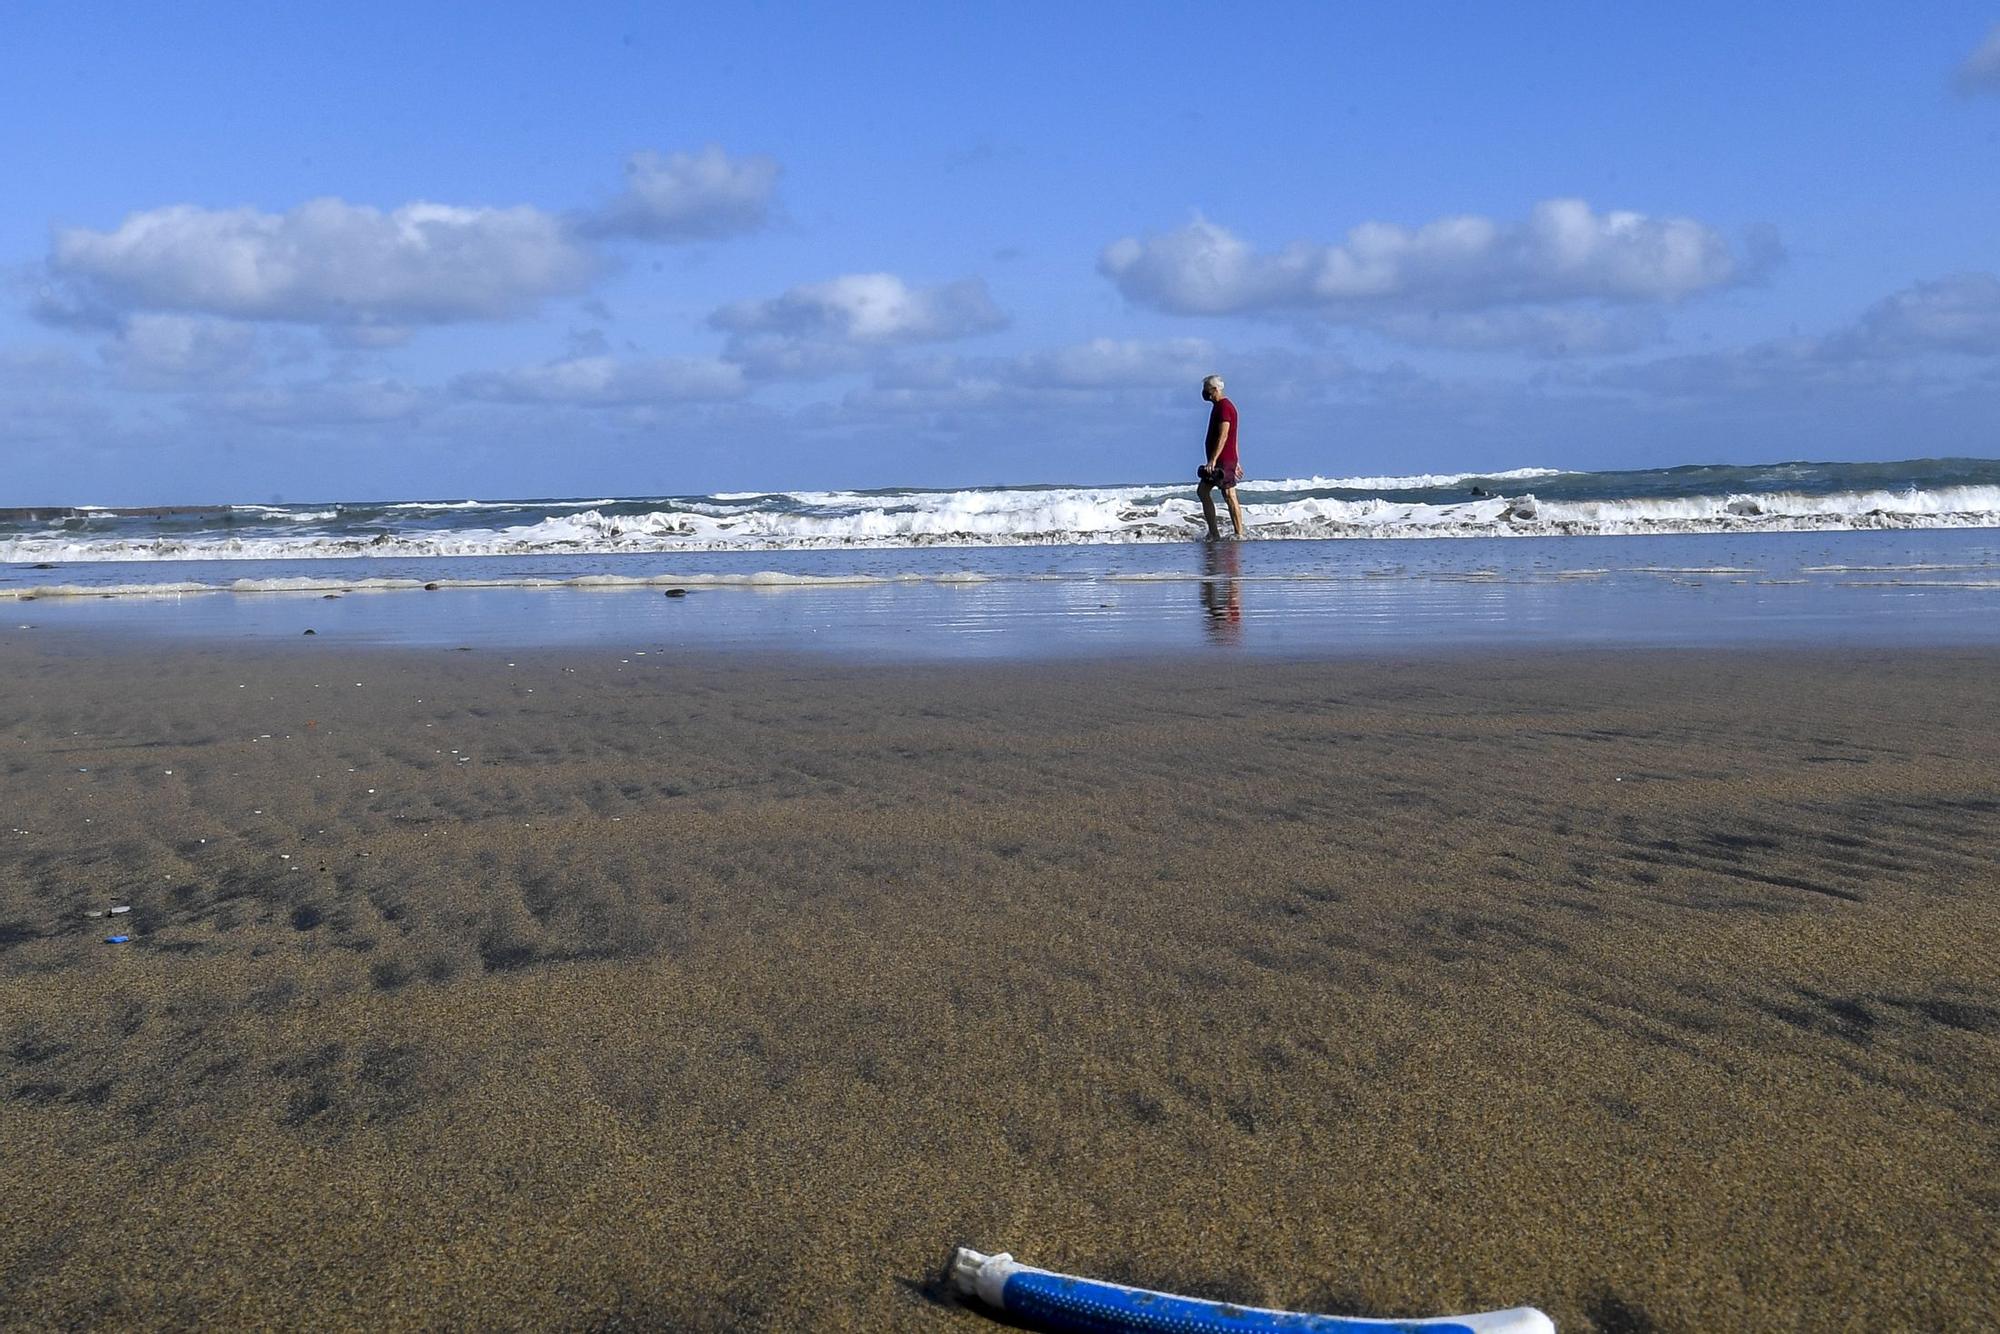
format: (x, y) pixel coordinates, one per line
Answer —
(1522, 502)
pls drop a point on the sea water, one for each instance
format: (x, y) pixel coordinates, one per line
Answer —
(1521, 502)
(1835, 554)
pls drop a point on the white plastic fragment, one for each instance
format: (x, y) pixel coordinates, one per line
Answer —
(985, 1275)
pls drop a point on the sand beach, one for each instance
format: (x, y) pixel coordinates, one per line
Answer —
(573, 988)
(656, 666)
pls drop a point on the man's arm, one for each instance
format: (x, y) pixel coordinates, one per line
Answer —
(1219, 439)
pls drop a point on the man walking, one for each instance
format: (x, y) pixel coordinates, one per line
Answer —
(1222, 469)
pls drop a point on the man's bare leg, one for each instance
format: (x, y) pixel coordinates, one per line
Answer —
(1235, 514)
(1207, 494)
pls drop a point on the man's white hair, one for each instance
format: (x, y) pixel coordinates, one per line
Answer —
(1212, 382)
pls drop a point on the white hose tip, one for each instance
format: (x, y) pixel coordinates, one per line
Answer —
(964, 1272)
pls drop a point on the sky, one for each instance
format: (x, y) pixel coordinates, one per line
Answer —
(367, 251)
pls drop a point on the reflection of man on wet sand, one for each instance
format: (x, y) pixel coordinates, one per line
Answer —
(1221, 594)
(1222, 469)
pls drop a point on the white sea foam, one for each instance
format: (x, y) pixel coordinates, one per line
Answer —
(1920, 583)
(281, 514)
(1880, 569)
(1040, 516)
(1423, 481)
(447, 505)
(1948, 501)
(760, 579)
(442, 505)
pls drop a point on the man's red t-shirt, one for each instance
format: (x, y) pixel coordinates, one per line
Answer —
(1225, 411)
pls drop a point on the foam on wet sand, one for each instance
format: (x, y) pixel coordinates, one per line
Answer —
(571, 988)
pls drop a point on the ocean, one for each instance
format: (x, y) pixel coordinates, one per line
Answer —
(1902, 552)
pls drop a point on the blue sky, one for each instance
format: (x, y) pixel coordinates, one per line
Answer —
(371, 250)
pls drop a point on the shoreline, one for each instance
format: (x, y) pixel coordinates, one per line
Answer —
(734, 989)
(388, 550)
(1260, 599)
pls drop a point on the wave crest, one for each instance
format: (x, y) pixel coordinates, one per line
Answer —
(1427, 505)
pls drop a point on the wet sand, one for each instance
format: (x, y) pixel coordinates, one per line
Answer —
(1661, 990)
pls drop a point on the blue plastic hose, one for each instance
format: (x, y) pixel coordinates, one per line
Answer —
(1063, 1302)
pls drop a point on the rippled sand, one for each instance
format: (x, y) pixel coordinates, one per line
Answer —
(1658, 990)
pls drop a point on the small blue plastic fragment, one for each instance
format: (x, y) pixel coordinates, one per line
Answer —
(116, 940)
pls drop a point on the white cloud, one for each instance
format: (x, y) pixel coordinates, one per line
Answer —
(1551, 331)
(936, 370)
(62, 305)
(327, 262)
(1958, 313)
(689, 196)
(1100, 389)
(824, 328)
(1098, 370)
(368, 276)
(769, 357)
(868, 308)
(1110, 363)
(1786, 367)
(602, 381)
(331, 402)
(171, 351)
(967, 394)
(1892, 346)
(1089, 375)
(1981, 71)
(1115, 377)
(1392, 277)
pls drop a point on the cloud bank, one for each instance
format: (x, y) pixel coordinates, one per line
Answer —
(1896, 342)
(328, 262)
(823, 328)
(332, 402)
(867, 308)
(154, 351)
(689, 197)
(602, 381)
(367, 275)
(1112, 363)
(1413, 282)
(1958, 313)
